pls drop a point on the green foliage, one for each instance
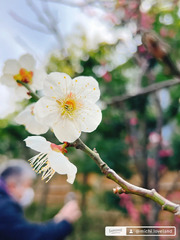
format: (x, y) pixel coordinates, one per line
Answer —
(174, 161)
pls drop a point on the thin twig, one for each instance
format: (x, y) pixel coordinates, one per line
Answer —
(34, 95)
(150, 89)
(126, 187)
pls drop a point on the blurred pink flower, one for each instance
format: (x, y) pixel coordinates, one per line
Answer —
(154, 138)
(112, 18)
(162, 168)
(146, 21)
(133, 121)
(107, 77)
(142, 49)
(177, 220)
(166, 152)
(146, 208)
(164, 32)
(131, 152)
(126, 202)
(151, 162)
(121, 2)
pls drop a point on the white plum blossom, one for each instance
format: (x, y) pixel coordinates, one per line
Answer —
(69, 105)
(24, 71)
(8, 101)
(27, 118)
(50, 159)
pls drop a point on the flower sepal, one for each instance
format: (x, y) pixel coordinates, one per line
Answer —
(59, 148)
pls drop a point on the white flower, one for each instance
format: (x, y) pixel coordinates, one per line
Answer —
(69, 105)
(50, 159)
(27, 118)
(24, 71)
(8, 101)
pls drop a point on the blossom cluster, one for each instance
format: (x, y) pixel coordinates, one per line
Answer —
(67, 107)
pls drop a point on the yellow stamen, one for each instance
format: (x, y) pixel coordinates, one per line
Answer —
(69, 105)
(24, 76)
(40, 164)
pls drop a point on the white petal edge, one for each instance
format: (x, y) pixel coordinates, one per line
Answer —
(57, 85)
(89, 117)
(11, 66)
(28, 62)
(46, 110)
(32, 126)
(86, 88)
(8, 80)
(38, 144)
(22, 93)
(38, 79)
(62, 165)
(66, 130)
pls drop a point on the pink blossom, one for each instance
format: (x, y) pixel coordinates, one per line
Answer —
(112, 18)
(126, 202)
(133, 121)
(151, 162)
(131, 152)
(142, 49)
(146, 208)
(154, 138)
(177, 220)
(164, 32)
(166, 153)
(146, 21)
(107, 77)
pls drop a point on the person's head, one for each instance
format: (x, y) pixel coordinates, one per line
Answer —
(18, 177)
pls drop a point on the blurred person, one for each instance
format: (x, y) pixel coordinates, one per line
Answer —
(16, 178)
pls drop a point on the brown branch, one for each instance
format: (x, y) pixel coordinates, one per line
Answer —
(150, 89)
(126, 187)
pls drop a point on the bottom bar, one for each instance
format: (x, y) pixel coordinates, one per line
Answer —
(140, 231)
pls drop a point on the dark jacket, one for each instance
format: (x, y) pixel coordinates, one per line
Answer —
(13, 225)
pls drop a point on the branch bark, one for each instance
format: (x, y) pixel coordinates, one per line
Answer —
(126, 187)
(150, 89)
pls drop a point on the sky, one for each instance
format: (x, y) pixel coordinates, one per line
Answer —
(17, 39)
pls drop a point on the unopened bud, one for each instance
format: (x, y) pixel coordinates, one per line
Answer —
(155, 45)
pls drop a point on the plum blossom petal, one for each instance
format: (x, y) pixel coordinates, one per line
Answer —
(38, 144)
(66, 130)
(50, 159)
(62, 165)
(28, 62)
(86, 87)
(21, 93)
(7, 79)
(23, 71)
(8, 101)
(11, 66)
(69, 105)
(38, 79)
(46, 110)
(89, 117)
(27, 118)
(57, 84)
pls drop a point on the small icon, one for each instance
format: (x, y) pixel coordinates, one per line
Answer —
(131, 231)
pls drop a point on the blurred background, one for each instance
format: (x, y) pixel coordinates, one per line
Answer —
(139, 136)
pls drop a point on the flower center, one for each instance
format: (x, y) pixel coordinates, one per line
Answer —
(24, 76)
(69, 105)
